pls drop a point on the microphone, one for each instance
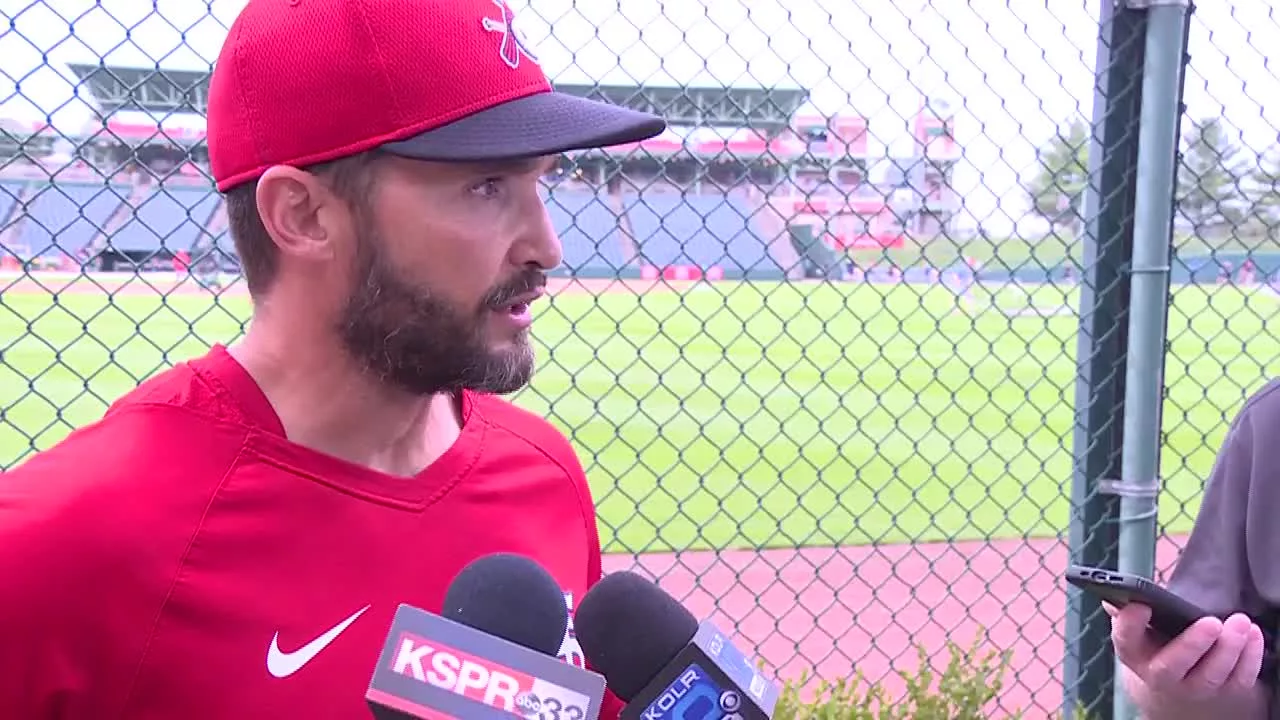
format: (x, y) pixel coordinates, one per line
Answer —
(511, 597)
(661, 661)
(489, 654)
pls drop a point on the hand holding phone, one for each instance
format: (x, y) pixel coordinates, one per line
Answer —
(1171, 615)
(1210, 671)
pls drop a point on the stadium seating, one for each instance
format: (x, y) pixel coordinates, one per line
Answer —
(703, 231)
(9, 192)
(128, 219)
(603, 235)
(72, 213)
(173, 218)
(590, 231)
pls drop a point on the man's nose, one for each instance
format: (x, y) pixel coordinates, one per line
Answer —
(539, 244)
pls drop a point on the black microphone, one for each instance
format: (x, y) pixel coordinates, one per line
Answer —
(491, 652)
(659, 660)
(512, 597)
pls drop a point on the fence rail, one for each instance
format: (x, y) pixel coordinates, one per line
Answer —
(849, 354)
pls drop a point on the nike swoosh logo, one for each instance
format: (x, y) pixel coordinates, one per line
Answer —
(283, 664)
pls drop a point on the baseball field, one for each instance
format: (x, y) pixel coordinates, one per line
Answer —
(833, 471)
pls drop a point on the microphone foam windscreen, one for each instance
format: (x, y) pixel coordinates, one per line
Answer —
(629, 629)
(512, 597)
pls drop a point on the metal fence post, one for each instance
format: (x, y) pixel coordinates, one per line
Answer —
(1149, 295)
(1088, 671)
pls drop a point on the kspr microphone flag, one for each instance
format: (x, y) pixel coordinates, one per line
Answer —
(432, 667)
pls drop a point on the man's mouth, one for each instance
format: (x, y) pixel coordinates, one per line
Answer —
(519, 305)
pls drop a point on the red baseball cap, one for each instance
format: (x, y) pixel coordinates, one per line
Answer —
(299, 82)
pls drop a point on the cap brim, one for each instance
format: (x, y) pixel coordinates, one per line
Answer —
(543, 124)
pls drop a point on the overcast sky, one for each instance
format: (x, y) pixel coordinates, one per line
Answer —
(1014, 69)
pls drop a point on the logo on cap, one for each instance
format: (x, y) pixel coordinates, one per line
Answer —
(513, 43)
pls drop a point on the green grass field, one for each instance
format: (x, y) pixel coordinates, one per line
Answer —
(746, 414)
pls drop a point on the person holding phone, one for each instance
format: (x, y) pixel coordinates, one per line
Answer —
(1229, 567)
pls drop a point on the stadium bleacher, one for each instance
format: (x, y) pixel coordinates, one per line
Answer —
(591, 232)
(714, 197)
(702, 231)
(58, 218)
(173, 218)
(9, 192)
(603, 234)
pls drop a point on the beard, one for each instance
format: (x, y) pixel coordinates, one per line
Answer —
(408, 338)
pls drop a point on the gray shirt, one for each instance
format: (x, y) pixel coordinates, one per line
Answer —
(1231, 561)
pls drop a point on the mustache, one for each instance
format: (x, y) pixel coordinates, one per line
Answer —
(523, 283)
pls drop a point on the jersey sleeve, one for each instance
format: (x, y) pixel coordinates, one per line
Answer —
(92, 533)
(57, 660)
(1226, 565)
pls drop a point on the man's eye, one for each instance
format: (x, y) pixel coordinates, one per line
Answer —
(488, 187)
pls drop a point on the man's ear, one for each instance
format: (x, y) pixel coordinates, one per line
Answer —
(295, 207)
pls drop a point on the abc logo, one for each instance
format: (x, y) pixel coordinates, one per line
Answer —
(528, 704)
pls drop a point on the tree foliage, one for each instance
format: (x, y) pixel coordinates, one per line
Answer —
(1225, 192)
(1211, 185)
(1061, 176)
(1263, 190)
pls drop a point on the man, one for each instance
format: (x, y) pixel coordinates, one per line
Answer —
(232, 539)
(1211, 670)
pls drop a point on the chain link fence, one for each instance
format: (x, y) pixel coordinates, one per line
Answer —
(824, 347)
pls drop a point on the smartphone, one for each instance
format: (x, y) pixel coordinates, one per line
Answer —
(1170, 614)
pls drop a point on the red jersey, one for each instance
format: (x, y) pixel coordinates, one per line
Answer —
(182, 558)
